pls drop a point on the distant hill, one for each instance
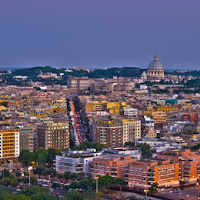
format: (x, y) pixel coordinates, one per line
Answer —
(96, 73)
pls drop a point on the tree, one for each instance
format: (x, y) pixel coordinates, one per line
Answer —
(73, 185)
(66, 175)
(145, 150)
(120, 182)
(129, 144)
(34, 180)
(51, 154)
(41, 156)
(24, 157)
(38, 170)
(17, 174)
(6, 181)
(106, 182)
(90, 194)
(73, 176)
(15, 197)
(5, 173)
(80, 176)
(14, 182)
(154, 187)
(86, 184)
(73, 195)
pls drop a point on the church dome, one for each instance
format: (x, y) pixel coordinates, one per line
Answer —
(155, 65)
(155, 70)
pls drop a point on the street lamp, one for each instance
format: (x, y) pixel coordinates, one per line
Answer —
(146, 191)
(97, 183)
(29, 177)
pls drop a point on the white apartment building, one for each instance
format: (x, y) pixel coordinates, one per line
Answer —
(76, 161)
(131, 130)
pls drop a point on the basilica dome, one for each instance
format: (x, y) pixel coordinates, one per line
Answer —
(155, 70)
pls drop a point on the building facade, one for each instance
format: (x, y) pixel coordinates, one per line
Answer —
(53, 135)
(9, 143)
(109, 133)
(26, 139)
(131, 130)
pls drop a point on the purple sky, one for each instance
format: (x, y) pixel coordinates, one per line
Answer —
(99, 33)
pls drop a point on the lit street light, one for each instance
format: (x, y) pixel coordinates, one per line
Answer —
(146, 191)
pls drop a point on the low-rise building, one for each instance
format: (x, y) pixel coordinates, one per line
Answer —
(76, 161)
(143, 173)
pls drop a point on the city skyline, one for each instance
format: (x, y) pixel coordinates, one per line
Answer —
(99, 34)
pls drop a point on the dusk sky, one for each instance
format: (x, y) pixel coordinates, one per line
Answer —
(99, 33)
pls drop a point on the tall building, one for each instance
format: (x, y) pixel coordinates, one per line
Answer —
(131, 130)
(109, 133)
(155, 70)
(53, 135)
(9, 143)
(26, 139)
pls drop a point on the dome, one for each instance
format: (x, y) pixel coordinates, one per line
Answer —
(155, 70)
(155, 65)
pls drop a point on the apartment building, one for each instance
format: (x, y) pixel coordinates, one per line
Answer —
(113, 165)
(26, 139)
(189, 163)
(131, 130)
(9, 143)
(109, 133)
(53, 135)
(159, 116)
(143, 173)
(94, 106)
(76, 161)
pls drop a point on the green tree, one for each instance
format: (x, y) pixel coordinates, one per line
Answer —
(120, 182)
(5, 173)
(66, 175)
(90, 194)
(24, 157)
(34, 180)
(6, 181)
(17, 174)
(41, 156)
(145, 150)
(106, 182)
(39, 170)
(86, 184)
(14, 182)
(129, 144)
(73, 195)
(51, 154)
(73, 185)
(73, 176)
(15, 197)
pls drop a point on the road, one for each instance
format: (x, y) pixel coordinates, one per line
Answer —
(186, 194)
(78, 133)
